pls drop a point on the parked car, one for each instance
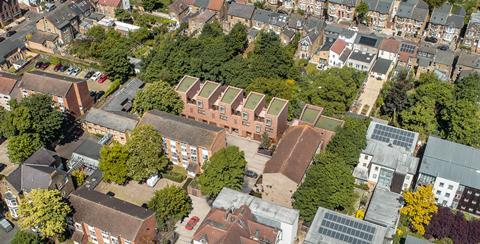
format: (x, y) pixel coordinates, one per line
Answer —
(111, 194)
(10, 33)
(192, 222)
(76, 71)
(92, 93)
(443, 47)
(70, 70)
(251, 174)
(38, 64)
(89, 74)
(96, 75)
(2, 38)
(63, 68)
(99, 94)
(44, 65)
(5, 224)
(102, 78)
(57, 67)
(431, 39)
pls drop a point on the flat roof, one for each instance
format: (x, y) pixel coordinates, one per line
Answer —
(310, 115)
(276, 105)
(185, 83)
(208, 88)
(384, 208)
(253, 100)
(328, 123)
(230, 94)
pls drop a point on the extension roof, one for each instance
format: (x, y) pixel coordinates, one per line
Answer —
(48, 83)
(241, 10)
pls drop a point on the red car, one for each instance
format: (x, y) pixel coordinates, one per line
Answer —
(102, 79)
(192, 222)
(57, 67)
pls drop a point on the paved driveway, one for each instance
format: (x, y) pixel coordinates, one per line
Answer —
(369, 95)
(200, 209)
(6, 167)
(133, 192)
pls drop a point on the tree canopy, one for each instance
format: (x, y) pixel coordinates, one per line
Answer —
(158, 95)
(25, 237)
(21, 147)
(113, 163)
(419, 208)
(170, 204)
(446, 224)
(45, 210)
(145, 153)
(225, 168)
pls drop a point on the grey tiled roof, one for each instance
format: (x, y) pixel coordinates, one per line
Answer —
(278, 19)
(469, 59)
(262, 15)
(361, 56)
(89, 148)
(381, 66)
(351, 3)
(413, 9)
(391, 157)
(8, 47)
(451, 161)
(384, 207)
(440, 14)
(241, 10)
(181, 129)
(444, 57)
(314, 23)
(296, 21)
(117, 101)
(381, 6)
(117, 121)
(456, 21)
(201, 3)
(61, 16)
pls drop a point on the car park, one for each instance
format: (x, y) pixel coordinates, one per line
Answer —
(192, 222)
(96, 75)
(89, 74)
(102, 78)
(38, 64)
(70, 70)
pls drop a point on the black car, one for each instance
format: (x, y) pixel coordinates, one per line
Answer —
(111, 194)
(63, 68)
(2, 38)
(443, 47)
(251, 174)
(431, 39)
(89, 74)
(99, 94)
(11, 33)
(38, 64)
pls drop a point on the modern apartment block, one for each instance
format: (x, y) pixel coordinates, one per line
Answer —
(388, 159)
(68, 94)
(99, 218)
(227, 107)
(454, 172)
(118, 124)
(187, 142)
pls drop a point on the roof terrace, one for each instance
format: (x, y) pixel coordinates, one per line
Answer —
(185, 83)
(276, 105)
(253, 100)
(230, 94)
(208, 88)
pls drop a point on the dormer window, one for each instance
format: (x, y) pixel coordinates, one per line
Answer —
(245, 116)
(222, 109)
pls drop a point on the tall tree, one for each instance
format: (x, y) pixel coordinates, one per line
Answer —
(468, 88)
(158, 95)
(419, 208)
(25, 237)
(274, 87)
(236, 40)
(395, 99)
(113, 163)
(44, 210)
(462, 125)
(23, 146)
(361, 11)
(146, 156)
(224, 169)
(116, 64)
(170, 205)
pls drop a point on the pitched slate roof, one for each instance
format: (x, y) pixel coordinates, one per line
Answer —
(181, 129)
(469, 59)
(118, 121)
(43, 36)
(42, 157)
(278, 19)
(262, 15)
(381, 6)
(7, 82)
(444, 57)
(294, 152)
(413, 9)
(118, 101)
(110, 214)
(241, 10)
(452, 161)
(296, 21)
(61, 16)
(456, 21)
(89, 148)
(178, 7)
(381, 66)
(351, 3)
(48, 83)
(8, 47)
(440, 14)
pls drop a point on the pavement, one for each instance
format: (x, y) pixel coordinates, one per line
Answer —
(133, 192)
(255, 162)
(200, 209)
(6, 237)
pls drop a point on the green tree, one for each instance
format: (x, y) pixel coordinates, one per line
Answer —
(468, 88)
(145, 150)
(113, 163)
(420, 117)
(395, 98)
(23, 146)
(141, 35)
(25, 237)
(224, 169)
(150, 5)
(116, 64)
(336, 192)
(158, 95)
(419, 208)
(236, 40)
(435, 3)
(211, 30)
(462, 118)
(78, 177)
(361, 11)
(45, 210)
(274, 87)
(170, 205)
(123, 15)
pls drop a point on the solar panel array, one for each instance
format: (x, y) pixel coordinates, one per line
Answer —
(393, 135)
(367, 41)
(346, 230)
(407, 48)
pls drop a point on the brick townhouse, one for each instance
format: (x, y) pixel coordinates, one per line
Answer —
(186, 142)
(9, 9)
(68, 94)
(411, 19)
(99, 218)
(472, 33)
(227, 107)
(8, 88)
(341, 10)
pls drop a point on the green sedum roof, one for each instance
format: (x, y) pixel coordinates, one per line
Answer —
(328, 123)
(207, 89)
(309, 115)
(185, 83)
(253, 100)
(230, 94)
(276, 106)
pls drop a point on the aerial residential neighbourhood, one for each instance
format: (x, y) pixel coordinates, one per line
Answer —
(240, 121)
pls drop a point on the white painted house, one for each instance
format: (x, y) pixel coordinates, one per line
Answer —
(338, 54)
